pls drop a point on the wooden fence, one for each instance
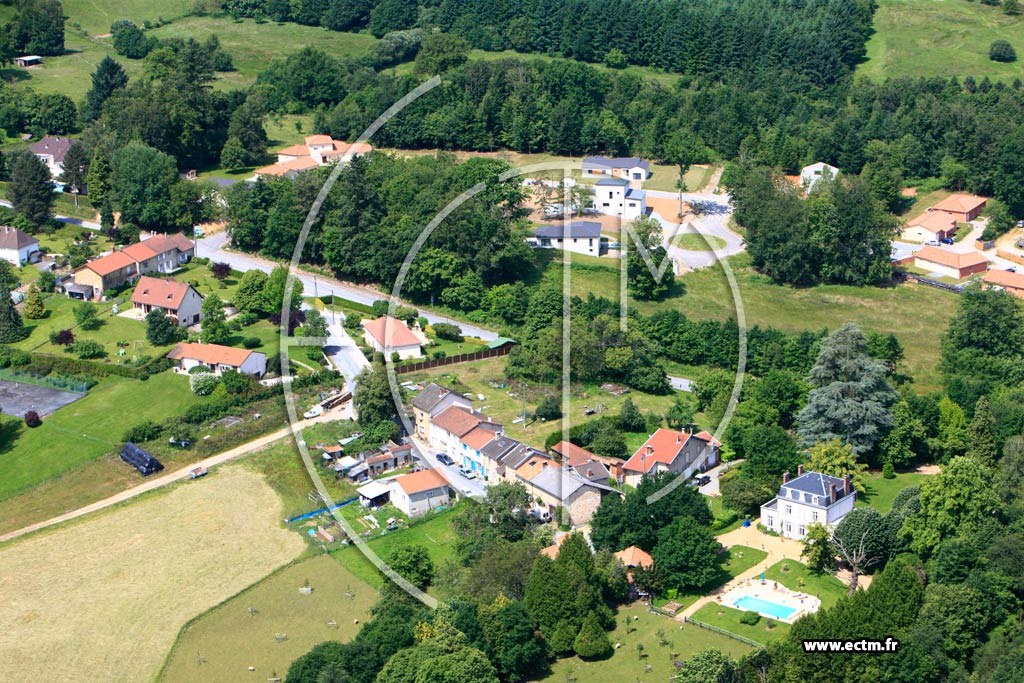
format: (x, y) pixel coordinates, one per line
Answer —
(502, 350)
(722, 631)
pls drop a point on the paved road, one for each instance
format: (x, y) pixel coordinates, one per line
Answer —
(213, 247)
(177, 475)
(712, 488)
(467, 487)
(63, 219)
(344, 355)
(713, 221)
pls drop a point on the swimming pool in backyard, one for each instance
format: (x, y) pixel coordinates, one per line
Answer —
(752, 604)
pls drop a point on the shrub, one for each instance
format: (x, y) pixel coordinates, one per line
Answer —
(727, 518)
(1001, 51)
(87, 348)
(203, 383)
(196, 369)
(887, 471)
(549, 409)
(750, 618)
(62, 337)
(147, 430)
(615, 59)
(252, 342)
(220, 269)
(235, 326)
(448, 331)
(246, 319)
(32, 419)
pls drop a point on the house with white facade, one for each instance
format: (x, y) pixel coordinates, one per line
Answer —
(218, 358)
(451, 425)
(668, 450)
(17, 247)
(389, 335)
(52, 150)
(420, 492)
(810, 175)
(633, 169)
(580, 237)
(315, 151)
(179, 300)
(810, 498)
(615, 197)
(431, 401)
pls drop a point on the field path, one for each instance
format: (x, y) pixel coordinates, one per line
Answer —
(170, 478)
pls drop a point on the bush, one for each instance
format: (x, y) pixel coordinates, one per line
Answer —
(203, 383)
(147, 430)
(549, 409)
(246, 319)
(87, 348)
(252, 342)
(32, 419)
(196, 369)
(220, 269)
(887, 471)
(750, 618)
(448, 331)
(62, 337)
(1002, 51)
(727, 518)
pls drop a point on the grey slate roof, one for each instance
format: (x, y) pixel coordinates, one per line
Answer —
(636, 194)
(429, 397)
(616, 162)
(562, 483)
(811, 484)
(56, 147)
(12, 238)
(498, 446)
(612, 181)
(576, 229)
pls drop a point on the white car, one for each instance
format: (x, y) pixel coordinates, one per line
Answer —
(467, 473)
(315, 411)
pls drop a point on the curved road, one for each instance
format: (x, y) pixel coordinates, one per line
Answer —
(713, 221)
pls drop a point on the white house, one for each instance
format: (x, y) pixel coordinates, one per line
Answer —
(670, 451)
(218, 358)
(432, 401)
(629, 168)
(390, 335)
(810, 175)
(52, 151)
(17, 247)
(614, 197)
(451, 425)
(315, 151)
(179, 300)
(810, 498)
(581, 237)
(420, 492)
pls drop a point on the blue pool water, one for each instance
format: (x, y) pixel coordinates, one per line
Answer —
(753, 604)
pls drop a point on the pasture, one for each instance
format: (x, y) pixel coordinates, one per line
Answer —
(104, 599)
(220, 645)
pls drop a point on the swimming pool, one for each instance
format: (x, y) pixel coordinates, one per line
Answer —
(752, 604)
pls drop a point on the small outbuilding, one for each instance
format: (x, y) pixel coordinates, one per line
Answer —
(28, 60)
(373, 494)
(145, 463)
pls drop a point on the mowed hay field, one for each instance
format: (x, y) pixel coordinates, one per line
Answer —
(103, 600)
(230, 640)
(941, 38)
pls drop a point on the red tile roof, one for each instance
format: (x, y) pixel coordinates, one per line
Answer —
(573, 455)
(1004, 278)
(933, 222)
(662, 447)
(294, 151)
(390, 332)
(105, 265)
(163, 293)
(210, 354)
(634, 557)
(418, 482)
(319, 139)
(960, 203)
(457, 420)
(140, 251)
(950, 258)
(478, 438)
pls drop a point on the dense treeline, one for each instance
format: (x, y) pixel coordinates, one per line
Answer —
(819, 42)
(37, 29)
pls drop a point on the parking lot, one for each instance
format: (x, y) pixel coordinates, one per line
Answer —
(17, 398)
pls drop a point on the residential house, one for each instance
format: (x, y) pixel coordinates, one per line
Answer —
(17, 247)
(494, 454)
(431, 401)
(588, 465)
(454, 423)
(810, 175)
(670, 451)
(930, 225)
(389, 457)
(615, 197)
(315, 151)
(158, 254)
(1013, 283)
(28, 60)
(950, 263)
(628, 168)
(631, 558)
(179, 300)
(112, 271)
(161, 253)
(580, 237)
(52, 150)
(556, 487)
(389, 335)
(811, 498)
(218, 358)
(420, 492)
(962, 207)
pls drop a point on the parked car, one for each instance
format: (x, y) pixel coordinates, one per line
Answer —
(705, 480)
(540, 514)
(932, 243)
(947, 240)
(444, 459)
(315, 411)
(467, 473)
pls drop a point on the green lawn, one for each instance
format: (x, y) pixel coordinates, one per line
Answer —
(881, 492)
(940, 38)
(88, 428)
(728, 618)
(698, 242)
(922, 201)
(284, 470)
(63, 203)
(96, 17)
(825, 586)
(735, 561)
(230, 639)
(718, 510)
(625, 665)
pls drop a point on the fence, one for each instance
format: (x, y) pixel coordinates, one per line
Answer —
(46, 382)
(722, 631)
(502, 350)
(1010, 256)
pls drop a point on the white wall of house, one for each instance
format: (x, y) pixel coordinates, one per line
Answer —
(255, 364)
(420, 503)
(18, 257)
(588, 246)
(917, 234)
(931, 267)
(791, 517)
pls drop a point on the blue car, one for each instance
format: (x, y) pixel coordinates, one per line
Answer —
(946, 240)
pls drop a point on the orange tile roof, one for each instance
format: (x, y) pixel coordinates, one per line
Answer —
(531, 467)
(573, 455)
(950, 258)
(1004, 278)
(294, 151)
(458, 420)
(343, 148)
(157, 292)
(140, 251)
(281, 168)
(634, 557)
(105, 265)
(478, 438)
(418, 482)
(933, 222)
(552, 550)
(664, 447)
(210, 354)
(318, 139)
(960, 203)
(390, 332)
(704, 436)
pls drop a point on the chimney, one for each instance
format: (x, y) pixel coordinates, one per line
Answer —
(847, 485)
(831, 493)
(799, 470)
(679, 437)
(785, 477)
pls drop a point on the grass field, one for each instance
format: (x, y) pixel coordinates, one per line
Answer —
(940, 38)
(230, 640)
(698, 242)
(96, 17)
(825, 586)
(882, 492)
(728, 618)
(625, 666)
(103, 599)
(88, 428)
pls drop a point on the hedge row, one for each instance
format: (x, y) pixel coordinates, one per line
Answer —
(72, 366)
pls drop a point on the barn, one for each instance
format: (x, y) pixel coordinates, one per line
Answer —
(145, 463)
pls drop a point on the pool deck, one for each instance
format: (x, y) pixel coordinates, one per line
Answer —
(771, 592)
(777, 547)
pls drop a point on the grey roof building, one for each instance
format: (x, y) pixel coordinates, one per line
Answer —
(573, 230)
